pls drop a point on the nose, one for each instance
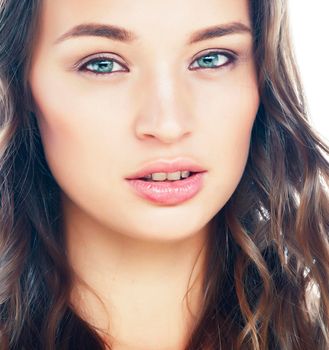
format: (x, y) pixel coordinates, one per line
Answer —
(166, 113)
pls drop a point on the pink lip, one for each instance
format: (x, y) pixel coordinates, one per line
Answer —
(168, 192)
(166, 166)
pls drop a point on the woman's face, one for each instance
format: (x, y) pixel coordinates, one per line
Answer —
(109, 103)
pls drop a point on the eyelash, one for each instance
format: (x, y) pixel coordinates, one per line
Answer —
(231, 58)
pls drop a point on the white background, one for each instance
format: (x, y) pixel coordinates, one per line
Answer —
(310, 32)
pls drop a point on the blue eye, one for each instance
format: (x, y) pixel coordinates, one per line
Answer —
(104, 65)
(101, 65)
(213, 60)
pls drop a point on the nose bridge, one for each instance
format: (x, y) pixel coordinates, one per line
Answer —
(164, 114)
(166, 88)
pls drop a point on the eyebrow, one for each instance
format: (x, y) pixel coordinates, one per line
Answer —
(123, 35)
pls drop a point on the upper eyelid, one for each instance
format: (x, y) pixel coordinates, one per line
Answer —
(214, 51)
(96, 57)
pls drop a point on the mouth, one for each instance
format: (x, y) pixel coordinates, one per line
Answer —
(167, 177)
(168, 192)
(166, 170)
(168, 182)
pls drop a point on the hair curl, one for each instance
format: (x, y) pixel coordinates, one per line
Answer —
(266, 283)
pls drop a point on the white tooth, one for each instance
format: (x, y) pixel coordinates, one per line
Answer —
(159, 176)
(185, 174)
(174, 176)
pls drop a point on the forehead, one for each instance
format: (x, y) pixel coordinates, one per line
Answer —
(147, 18)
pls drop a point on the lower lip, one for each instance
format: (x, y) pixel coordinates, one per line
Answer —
(168, 192)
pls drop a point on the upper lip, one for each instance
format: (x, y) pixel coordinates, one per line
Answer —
(167, 166)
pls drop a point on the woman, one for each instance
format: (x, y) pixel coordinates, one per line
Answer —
(161, 186)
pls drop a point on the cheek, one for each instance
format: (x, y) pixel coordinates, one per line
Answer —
(78, 127)
(228, 111)
(228, 117)
(237, 114)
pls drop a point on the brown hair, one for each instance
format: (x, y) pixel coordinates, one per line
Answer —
(266, 283)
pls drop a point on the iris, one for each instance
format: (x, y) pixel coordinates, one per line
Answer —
(100, 66)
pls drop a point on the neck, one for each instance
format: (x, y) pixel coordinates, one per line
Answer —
(145, 293)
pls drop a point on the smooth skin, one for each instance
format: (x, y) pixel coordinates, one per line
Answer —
(154, 98)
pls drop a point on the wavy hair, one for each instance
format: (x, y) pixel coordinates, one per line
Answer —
(267, 277)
